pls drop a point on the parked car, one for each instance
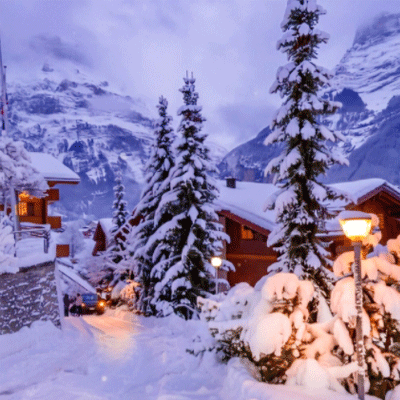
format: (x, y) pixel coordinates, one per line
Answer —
(92, 303)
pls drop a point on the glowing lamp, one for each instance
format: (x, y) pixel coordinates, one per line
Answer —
(216, 262)
(356, 225)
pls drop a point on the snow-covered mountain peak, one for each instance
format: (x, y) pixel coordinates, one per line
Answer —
(378, 30)
(371, 66)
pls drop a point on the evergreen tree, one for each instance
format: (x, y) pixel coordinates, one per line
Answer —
(300, 204)
(120, 216)
(157, 169)
(191, 235)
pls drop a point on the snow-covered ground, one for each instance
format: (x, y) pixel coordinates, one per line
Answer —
(122, 356)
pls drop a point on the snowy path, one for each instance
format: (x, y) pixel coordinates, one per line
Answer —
(114, 336)
(107, 358)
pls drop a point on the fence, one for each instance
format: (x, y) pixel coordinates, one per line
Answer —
(39, 231)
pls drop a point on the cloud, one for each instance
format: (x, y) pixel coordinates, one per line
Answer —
(56, 47)
(143, 49)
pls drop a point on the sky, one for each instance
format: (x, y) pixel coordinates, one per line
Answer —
(143, 48)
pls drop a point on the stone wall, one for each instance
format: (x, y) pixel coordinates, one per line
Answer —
(27, 296)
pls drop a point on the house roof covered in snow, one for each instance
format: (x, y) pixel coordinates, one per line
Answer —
(107, 226)
(248, 199)
(53, 169)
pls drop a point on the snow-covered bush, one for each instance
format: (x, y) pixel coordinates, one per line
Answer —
(8, 261)
(74, 237)
(290, 333)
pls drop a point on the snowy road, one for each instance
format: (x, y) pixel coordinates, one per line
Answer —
(115, 337)
(105, 358)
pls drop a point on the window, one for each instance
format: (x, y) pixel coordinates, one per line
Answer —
(31, 209)
(246, 233)
(26, 208)
(22, 208)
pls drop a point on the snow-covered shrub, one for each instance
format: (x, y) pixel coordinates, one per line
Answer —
(290, 332)
(74, 237)
(128, 294)
(8, 261)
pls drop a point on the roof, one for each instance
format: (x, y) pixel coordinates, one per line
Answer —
(362, 190)
(247, 200)
(107, 226)
(53, 169)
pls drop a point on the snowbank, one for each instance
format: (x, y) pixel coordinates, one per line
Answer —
(240, 384)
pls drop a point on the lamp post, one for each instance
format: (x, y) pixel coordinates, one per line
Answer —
(216, 262)
(356, 226)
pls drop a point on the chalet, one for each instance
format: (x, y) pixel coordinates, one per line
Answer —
(241, 211)
(35, 210)
(104, 237)
(240, 208)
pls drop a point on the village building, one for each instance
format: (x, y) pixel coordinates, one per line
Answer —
(241, 210)
(35, 210)
(104, 237)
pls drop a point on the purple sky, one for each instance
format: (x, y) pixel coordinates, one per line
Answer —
(143, 48)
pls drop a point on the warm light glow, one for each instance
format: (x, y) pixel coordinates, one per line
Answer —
(22, 208)
(216, 262)
(22, 205)
(356, 226)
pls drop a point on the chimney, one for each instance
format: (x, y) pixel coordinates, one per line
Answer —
(231, 182)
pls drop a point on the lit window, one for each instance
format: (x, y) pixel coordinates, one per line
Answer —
(22, 208)
(246, 233)
(23, 204)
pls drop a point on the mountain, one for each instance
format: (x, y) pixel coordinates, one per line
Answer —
(367, 83)
(92, 129)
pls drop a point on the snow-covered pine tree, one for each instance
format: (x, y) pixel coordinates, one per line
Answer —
(157, 169)
(192, 235)
(300, 207)
(120, 216)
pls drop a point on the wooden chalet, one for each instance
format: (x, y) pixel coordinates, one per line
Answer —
(104, 237)
(241, 211)
(35, 210)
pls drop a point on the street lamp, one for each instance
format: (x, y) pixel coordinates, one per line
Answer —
(356, 226)
(216, 262)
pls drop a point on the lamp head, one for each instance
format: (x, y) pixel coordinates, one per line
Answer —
(356, 225)
(216, 262)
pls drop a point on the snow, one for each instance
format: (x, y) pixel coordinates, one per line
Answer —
(70, 273)
(52, 169)
(30, 252)
(123, 356)
(240, 384)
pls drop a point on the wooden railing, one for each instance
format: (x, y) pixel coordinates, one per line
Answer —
(41, 231)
